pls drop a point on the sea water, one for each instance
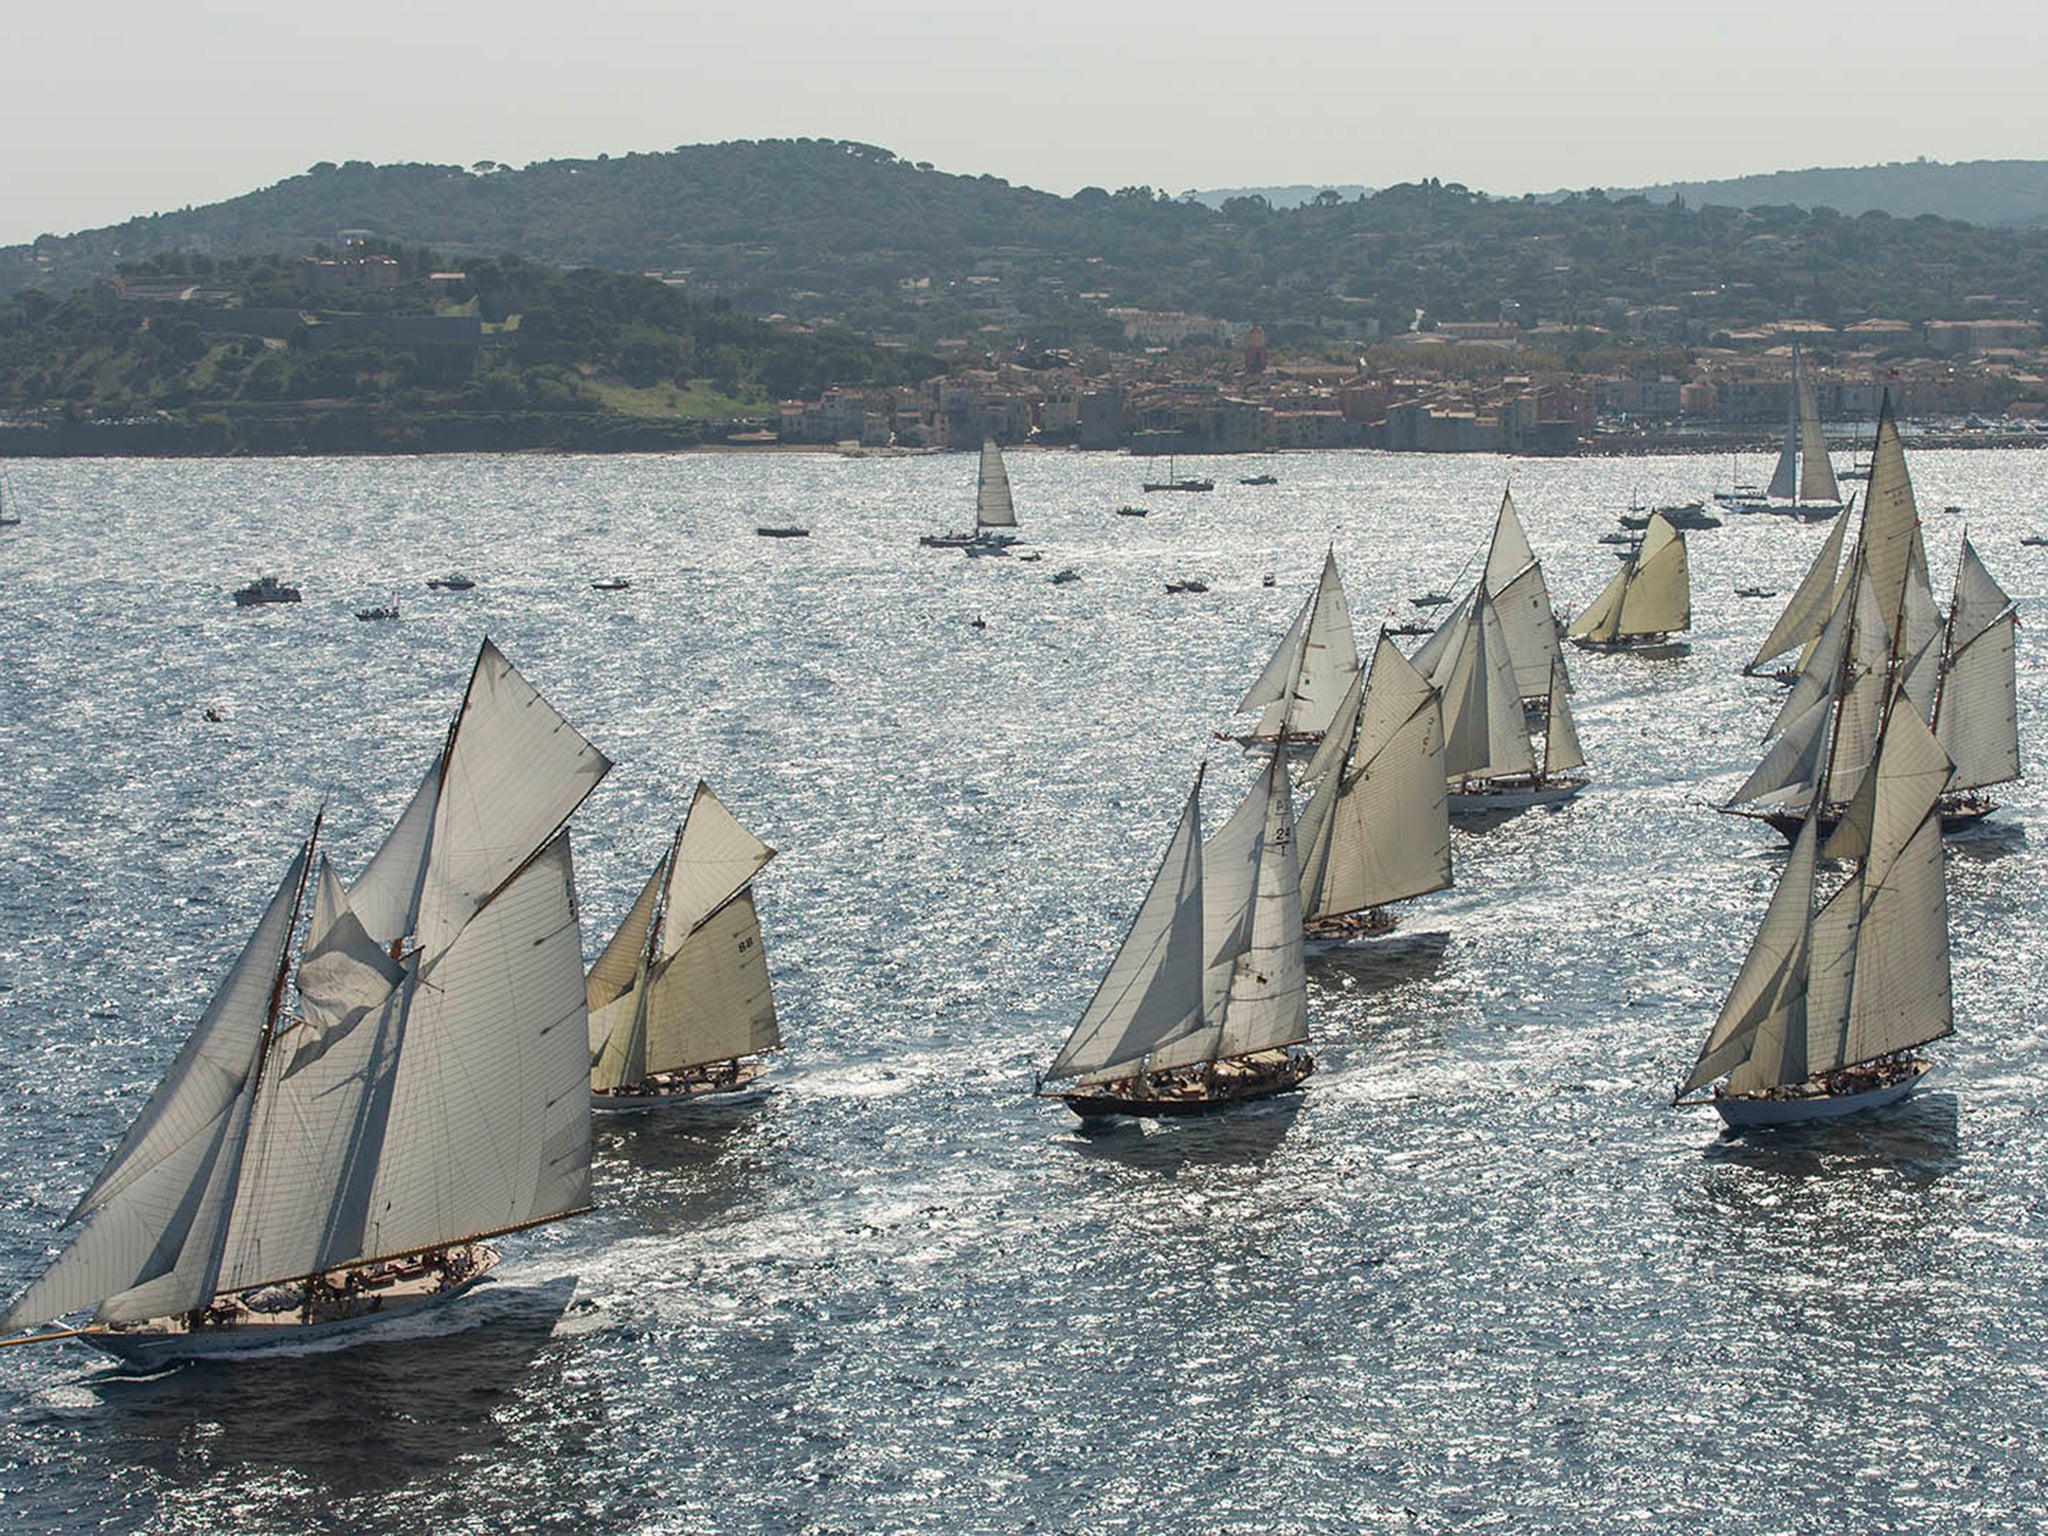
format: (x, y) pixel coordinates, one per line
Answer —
(1479, 1275)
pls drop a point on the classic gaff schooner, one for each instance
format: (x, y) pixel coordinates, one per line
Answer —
(1206, 1000)
(1376, 829)
(995, 513)
(1886, 632)
(1831, 1001)
(1806, 611)
(294, 1179)
(680, 999)
(1304, 684)
(1648, 601)
(1513, 582)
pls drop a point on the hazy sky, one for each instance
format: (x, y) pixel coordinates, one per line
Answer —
(120, 107)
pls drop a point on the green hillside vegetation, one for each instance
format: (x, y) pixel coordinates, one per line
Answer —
(1994, 192)
(851, 235)
(514, 355)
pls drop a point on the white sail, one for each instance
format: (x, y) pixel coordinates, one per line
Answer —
(711, 1000)
(1784, 484)
(324, 1109)
(1509, 553)
(1268, 1002)
(489, 1126)
(1768, 1000)
(1820, 674)
(1861, 700)
(159, 1208)
(1438, 655)
(1979, 601)
(1650, 595)
(1303, 685)
(1893, 553)
(1791, 770)
(1659, 599)
(1379, 830)
(1485, 735)
(1977, 718)
(1530, 629)
(1231, 861)
(992, 505)
(716, 859)
(1561, 749)
(619, 970)
(1152, 992)
(1816, 470)
(1806, 611)
(1899, 995)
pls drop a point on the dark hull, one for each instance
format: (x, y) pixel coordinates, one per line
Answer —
(1955, 816)
(1219, 1092)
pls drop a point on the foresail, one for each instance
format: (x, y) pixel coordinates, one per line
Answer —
(618, 967)
(160, 1206)
(1329, 655)
(1784, 484)
(1268, 1002)
(1768, 997)
(1270, 690)
(1152, 992)
(1530, 629)
(1979, 600)
(1812, 601)
(1561, 748)
(1510, 553)
(992, 505)
(1600, 619)
(1389, 832)
(1890, 541)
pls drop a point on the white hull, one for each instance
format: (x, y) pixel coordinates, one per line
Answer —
(151, 1349)
(1758, 1112)
(1478, 801)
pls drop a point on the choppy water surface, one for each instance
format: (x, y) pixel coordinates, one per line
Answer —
(1478, 1275)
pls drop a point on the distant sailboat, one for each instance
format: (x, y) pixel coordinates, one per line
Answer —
(296, 1179)
(681, 997)
(1803, 483)
(995, 514)
(1302, 686)
(1831, 1001)
(1976, 706)
(1179, 482)
(1205, 1004)
(1648, 601)
(1376, 829)
(7, 519)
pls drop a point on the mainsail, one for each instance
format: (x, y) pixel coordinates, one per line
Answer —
(433, 1091)
(1377, 828)
(992, 506)
(684, 981)
(1816, 470)
(1806, 611)
(1976, 712)
(1485, 734)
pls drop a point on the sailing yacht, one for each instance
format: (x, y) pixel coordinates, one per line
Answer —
(1885, 631)
(1205, 1003)
(1376, 829)
(1648, 601)
(1299, 692)
(1513, 580)
(1832, 1000)
(680, 998)
(297, 1178)
(1175, 481)
(995, 514)
(1489, 754)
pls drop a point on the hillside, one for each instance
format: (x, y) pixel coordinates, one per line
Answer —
(2010, 193)
(844, 234)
